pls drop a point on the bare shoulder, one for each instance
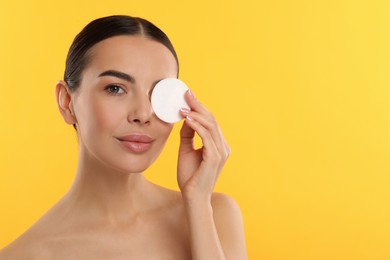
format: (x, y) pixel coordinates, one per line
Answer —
(25, 247)
(225, 206)
(32, 244)
(230, 225)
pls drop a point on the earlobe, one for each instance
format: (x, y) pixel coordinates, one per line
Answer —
(64, 102)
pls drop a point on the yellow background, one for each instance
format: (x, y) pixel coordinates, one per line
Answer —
(301, 91)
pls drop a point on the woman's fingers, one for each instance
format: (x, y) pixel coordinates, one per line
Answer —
(206, 163)
(215, 149)
(200, 114)
(209, 145)
(194, 104)
(213, 128)
(187, 135)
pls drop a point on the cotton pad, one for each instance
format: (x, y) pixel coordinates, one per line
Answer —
(168, 98)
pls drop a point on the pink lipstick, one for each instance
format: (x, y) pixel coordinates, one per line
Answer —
(136, 143)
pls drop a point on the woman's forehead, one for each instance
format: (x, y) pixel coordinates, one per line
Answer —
(133, 52)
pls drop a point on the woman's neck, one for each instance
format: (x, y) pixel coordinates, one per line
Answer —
(101, 191)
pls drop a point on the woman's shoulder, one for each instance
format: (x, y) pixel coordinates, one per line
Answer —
(35, 242)
(228, 221)
(226, 210)
(223, 203)
(27, 246)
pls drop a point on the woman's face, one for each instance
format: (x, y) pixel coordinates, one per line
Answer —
(115, 122)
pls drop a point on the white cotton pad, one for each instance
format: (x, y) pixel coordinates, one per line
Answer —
(168, 98)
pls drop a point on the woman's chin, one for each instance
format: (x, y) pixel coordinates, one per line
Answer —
(134, 169)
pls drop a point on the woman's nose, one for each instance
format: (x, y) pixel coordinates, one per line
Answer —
(141, 111)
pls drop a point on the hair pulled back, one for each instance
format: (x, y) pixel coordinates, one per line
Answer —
(101, 29)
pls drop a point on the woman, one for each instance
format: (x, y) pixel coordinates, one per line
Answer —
(111, 211)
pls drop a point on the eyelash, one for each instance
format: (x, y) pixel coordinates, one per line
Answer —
(110, 90)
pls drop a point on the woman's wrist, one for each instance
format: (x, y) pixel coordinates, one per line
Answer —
(205, 243)
(196, 199)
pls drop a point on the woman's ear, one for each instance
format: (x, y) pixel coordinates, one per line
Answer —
(64, 102)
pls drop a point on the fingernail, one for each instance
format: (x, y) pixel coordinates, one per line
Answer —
(189, 118)
(185, 110)
(191, 93)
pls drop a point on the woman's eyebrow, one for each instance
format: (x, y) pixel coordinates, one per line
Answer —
(118, 74)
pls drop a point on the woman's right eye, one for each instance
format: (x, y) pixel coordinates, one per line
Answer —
(114, 90)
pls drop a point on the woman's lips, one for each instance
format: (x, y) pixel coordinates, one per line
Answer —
(137, 143)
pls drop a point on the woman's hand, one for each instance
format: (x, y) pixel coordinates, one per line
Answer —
(215, 223)
(198, 169)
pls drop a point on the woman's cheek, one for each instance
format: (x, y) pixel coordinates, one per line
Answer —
(109, 114)
(165, 130)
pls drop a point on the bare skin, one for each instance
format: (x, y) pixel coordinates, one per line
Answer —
(111, 211)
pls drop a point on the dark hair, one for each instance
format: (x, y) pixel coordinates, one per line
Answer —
(101, 29)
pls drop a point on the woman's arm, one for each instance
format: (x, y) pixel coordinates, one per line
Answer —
(216, 229)
(215, 223)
